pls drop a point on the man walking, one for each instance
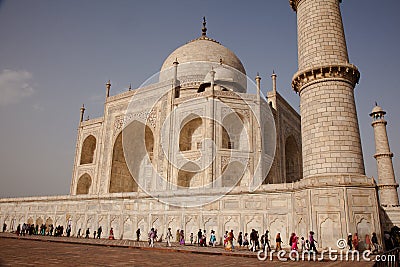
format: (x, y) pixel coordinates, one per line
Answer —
(137, 234)
(169, 235)
(199, 236)
(99, 230)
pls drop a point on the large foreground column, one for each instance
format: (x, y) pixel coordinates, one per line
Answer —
(325, 81)
(340, 198)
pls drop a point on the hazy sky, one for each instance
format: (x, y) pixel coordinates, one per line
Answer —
(56, 55)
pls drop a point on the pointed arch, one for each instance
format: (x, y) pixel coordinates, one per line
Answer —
(189, 176)
(39, 221)
(234, 132)
(121, 178)
(292, 160)
(232, 174)
(88, 148)
(191, 136)
(84, 183)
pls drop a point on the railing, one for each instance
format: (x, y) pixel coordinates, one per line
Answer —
(388, 259)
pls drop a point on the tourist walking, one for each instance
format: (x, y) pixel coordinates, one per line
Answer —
(199, 236)
(225, 238)
(295, 240)
(278, 241)
(203, 240)
(87, 233)
(266, 240)
(229, 241)
(350, 241)
(177, 237)
(213, 239)
(312, 242)
(151, 237)
(138, 234)
(374, 241)
(4, 227)
(111, 236)
(169, 236)
(240, 239)
(191, 238)
(69, 231)
(303, 244)
(99, 231)
(246, 240)
(182, 238)
(253, 240)
(368, 244)
(355, 241)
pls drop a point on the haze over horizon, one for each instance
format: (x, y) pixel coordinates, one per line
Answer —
(56, 55)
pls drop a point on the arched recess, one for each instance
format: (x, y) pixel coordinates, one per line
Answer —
(234, 133)
(39, 221)
(292, 160)
(232, 174)
(88, 148)
(138, 138)
(191, 135)
(121, 178)
(84, 183)
(189, 176)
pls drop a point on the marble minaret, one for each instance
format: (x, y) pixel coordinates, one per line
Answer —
(386, 181)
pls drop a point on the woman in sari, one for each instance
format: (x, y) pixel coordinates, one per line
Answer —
(355, 241)
(111, 236)
(229, 242)
(295, 240)
(182, 238)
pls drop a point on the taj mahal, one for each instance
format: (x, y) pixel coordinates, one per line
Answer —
(199, 146)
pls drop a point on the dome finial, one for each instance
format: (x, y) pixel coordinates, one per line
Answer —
(204, 29)
(376, 103)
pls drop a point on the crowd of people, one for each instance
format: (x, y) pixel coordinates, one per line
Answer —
(253, 241)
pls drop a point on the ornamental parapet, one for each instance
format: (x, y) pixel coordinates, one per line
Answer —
(295, 3)
(388, 186)
(378, 122)
(384, 155)
(343, 72)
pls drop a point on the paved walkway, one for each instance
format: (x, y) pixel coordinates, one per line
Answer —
(70, 251)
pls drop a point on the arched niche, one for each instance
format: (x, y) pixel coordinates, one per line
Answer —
(138, 138)
(189, 175)
(88, 148)
(292, 160)
(84, 183)
(191, 135)
(232, 174)
(234, 133)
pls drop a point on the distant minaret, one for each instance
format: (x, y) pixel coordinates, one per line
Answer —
(386, 181)
(82, 112)
(108, 87)
(325, 81)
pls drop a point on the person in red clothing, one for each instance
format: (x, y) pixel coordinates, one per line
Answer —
(111, 236)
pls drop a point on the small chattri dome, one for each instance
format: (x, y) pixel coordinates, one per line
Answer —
(377, 109)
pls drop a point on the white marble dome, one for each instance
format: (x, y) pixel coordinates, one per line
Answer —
(197, 57)
(204, 49)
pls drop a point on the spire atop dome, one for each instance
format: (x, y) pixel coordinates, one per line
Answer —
(204, 29)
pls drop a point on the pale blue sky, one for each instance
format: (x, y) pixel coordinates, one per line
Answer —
(56, 55)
